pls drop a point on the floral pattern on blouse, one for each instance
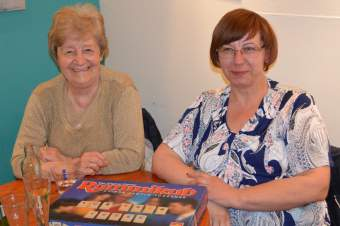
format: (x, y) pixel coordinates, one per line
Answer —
(286, 136)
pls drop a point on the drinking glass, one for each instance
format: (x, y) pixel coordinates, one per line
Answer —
(15, 209)
(40, 198)
(65, 176)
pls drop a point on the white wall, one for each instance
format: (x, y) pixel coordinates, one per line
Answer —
(164, 46)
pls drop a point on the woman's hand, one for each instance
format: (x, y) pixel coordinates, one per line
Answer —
(51, 154)
(215, 186)
(219, 216)
(48, 167)
(90, 163)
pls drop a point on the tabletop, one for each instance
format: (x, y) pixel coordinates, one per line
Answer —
(17, 186)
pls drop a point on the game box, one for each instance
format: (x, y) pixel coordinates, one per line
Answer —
(122, 203)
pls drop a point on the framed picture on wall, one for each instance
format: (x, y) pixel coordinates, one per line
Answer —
(10, 5)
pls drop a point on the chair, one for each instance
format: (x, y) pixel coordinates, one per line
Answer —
(333, 197)
(153, 138)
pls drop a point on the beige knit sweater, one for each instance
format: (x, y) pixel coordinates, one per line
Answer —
(112, 124)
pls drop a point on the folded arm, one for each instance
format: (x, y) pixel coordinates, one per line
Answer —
(307, 187)
(167, 165)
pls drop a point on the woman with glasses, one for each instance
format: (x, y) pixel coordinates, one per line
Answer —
(260, 148)
(87, 115)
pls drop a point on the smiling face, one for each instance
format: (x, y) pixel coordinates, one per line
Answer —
(79, 61)
(245, 68)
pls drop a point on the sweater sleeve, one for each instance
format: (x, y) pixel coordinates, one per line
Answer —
(128, 134)
(33, 130)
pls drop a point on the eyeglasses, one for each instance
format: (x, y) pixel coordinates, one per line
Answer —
(228, 52)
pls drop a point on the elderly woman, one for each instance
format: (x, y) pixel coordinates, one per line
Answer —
(87, 115)
(260, 148)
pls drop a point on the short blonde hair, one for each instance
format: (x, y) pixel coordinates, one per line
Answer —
(79, 20)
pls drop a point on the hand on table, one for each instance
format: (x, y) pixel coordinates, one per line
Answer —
(50, 168)
(215, 186)
(53, 161)
(90, 163)
(51, 154)
(219, 215)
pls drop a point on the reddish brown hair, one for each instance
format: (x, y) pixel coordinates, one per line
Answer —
(237, 23)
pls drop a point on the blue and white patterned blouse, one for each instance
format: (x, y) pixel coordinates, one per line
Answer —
(285, 137)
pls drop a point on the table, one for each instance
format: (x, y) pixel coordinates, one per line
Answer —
(17, 186)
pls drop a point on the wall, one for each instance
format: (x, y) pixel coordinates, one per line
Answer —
(24, 63)
(164, 46)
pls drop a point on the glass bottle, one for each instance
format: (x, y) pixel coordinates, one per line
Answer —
(37, 188)
(31, 163)
(31, 170)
